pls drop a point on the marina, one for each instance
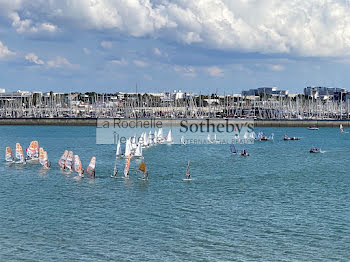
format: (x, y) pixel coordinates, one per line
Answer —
(316, 103)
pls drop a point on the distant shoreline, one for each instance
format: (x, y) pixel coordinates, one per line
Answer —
(172, 122)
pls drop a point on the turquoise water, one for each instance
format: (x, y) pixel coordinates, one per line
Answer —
(280, 204)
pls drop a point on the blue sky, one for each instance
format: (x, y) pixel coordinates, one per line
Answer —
(202, 46)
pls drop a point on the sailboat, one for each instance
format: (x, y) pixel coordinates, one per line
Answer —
(155, 138)
(117, 152)
(127, 147)
(115, 170)
(20, 159)
(127, 167)
(169, 138)
(233, 149)
(41, 156)
(143, 169)
(160, 135)
(62, 160)
(8, 154)
(33, 151)
(47, 163)
(188, 174)
(138, 151)
(342, 130)
(91, 168)
(182, 141)
(78, 166)
(69, 161)
(150, 138)
(209, 139)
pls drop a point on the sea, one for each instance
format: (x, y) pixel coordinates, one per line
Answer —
(279, 204)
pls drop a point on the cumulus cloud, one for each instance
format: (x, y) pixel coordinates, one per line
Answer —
(215, 71)
(27, 26)
(5, 52)
(140, 63)
(106, 44)
(61, 62)
(33, 58)
(297, 27)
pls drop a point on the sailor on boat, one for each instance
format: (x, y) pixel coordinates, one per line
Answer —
(286, 137)
(315, 150)
(244, 153)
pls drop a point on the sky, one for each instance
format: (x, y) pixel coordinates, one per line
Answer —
(203, 46)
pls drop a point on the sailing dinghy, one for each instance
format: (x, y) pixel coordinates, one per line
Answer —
(62, 160)
(127, 167)
(20, 159)
(143, 169)
(8, 155)
(91, 168)
(188, 173)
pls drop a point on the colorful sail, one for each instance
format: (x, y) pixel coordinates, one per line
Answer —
(41, 156)
(8, 154)
(69, 161)
(77, 165)
(142, 167)
(127, 166)
(91, 168)
(19, 153)
(62, 161)
(33, 151)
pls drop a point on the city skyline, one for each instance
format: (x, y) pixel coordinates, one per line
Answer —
(206, 46)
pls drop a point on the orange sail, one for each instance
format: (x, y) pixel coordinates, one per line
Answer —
(142, 167)
(91, 168)
(8, 154)
(41, 156)
(77, 165)
(127, 166)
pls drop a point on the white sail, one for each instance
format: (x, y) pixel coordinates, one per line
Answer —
(117, 152)
(133, 143)
(160, 134)
(138, 151)
(155, 139)
(150, 138)
(209, 139)
(127, 147)
(169, 138)
(146, 142)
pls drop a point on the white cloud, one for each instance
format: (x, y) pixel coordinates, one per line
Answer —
(186, 71)
(61, 62)
(276, 67)
(107, 44)
(302, 28)
(27, 26)
(86, 51)
(156, 51)
(119, 62)
(33, 58)
(140, 63)
(5, 52)
(215, 71)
